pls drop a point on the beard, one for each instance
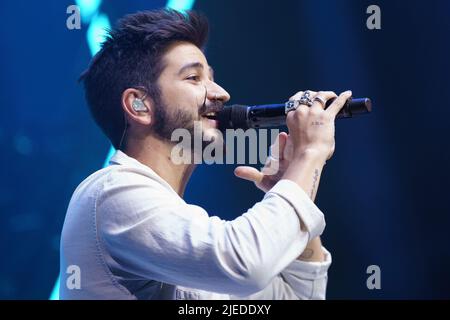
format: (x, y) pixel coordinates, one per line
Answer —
(167, 122)
(169, 119)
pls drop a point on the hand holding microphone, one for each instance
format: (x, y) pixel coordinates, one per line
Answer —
(309, 144)
(311, 128)
(274, 115)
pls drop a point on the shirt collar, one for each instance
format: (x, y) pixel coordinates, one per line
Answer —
(121, 158)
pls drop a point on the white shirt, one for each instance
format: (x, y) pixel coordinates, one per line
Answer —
(133, 237)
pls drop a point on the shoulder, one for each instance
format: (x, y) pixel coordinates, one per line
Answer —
(122, 178)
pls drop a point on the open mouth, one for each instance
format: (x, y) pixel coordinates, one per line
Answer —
(211, 118)
(210, 115)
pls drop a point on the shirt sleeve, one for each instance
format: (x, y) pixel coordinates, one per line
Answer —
(300, 280)
(143, 230)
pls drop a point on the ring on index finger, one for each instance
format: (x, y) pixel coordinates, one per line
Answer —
(305, 99)
(290, 105)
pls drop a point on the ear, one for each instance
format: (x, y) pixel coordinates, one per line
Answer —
(141, 117)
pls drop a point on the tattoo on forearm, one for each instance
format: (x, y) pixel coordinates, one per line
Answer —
(307, 254)
(316, 175)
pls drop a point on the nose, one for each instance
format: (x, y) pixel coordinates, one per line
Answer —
(217, 93)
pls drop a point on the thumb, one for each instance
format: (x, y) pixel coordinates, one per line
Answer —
(248, 173)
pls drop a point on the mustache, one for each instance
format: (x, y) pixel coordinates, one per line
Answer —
(211, 107)
(215, 106)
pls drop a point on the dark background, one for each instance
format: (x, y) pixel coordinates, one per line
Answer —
(384, 192)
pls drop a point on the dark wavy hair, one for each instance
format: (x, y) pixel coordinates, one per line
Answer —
(131, 57)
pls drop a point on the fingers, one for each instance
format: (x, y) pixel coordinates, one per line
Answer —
(320, 103)
(277, 148)
(321, 99)
(248, 173)
(337, 104)
(272, 164)
(299, 94)
(283, 136)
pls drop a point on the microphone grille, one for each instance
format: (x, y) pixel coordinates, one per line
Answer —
(233, 117)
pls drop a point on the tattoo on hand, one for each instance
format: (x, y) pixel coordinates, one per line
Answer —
(317, 123)
(316, 175)
(307, 254)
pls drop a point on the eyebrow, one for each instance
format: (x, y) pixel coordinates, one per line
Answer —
(191, 65)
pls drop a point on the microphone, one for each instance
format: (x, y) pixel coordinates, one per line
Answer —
(274, 115)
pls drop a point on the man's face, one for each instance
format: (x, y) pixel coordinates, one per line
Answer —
(188, 92)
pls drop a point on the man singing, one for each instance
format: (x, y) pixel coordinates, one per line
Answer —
(129, 233)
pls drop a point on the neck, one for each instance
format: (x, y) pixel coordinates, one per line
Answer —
(155, 154)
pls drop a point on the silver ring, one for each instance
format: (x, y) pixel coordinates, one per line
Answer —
(290, 106)
(294, 104)
(305, 99)
(321, 100)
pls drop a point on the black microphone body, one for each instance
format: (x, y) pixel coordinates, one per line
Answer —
(274, 115)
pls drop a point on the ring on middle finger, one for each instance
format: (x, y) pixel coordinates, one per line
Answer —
(305, 99)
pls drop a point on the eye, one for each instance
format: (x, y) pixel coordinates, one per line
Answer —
(194, 78)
